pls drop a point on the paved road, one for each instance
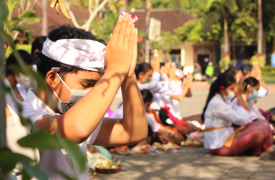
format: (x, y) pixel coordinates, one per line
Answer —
(194, 163)
(191, 163)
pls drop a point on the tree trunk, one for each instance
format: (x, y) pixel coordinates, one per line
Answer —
(226, 37)
(147, 24)
(260, 28)
(125, 7)
(44, 21)
(2, 95)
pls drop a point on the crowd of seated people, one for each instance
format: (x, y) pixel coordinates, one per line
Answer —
(82, 89)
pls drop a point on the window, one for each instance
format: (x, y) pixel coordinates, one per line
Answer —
(174, 58)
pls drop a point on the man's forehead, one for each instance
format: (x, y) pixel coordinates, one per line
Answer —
(87, 75)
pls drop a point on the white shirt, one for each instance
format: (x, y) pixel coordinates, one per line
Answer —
(263, 92)
(254, 112)
(155, 126)
(220, 114)
(152, 84)
(9, 97)
(34, 108)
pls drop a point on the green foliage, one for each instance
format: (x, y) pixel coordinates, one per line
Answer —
(9, 159)
(224, 63)
(26, 47)
(241, 16)
(43, 140)
(244, 28)
(102, 28)
(268, 71)
(269, 18)
(166, 41)
(4, 12)
(258, 59)
(12, 24)
(194, 31)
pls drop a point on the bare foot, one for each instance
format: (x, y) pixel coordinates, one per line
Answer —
(143, 149)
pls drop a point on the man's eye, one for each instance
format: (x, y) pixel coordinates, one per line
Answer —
(88, 85)
(85, 85)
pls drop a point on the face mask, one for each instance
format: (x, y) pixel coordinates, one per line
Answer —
(23, 79)
(254, 95)
(146, 80)
(230, 96)
(76, 95)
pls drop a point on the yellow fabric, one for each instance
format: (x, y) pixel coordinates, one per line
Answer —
(229, 140)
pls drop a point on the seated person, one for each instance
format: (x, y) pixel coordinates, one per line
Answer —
(17, 80)
(71, 63)
(218, 116)
(251, 89)
(252, 86)
(162, 132)
(148, 75)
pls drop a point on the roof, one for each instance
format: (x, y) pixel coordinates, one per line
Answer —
(170, 18)
(56, 20)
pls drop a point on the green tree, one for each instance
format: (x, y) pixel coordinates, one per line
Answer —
(244, 26)
(13, 25)
(194, 31)
(220, 10)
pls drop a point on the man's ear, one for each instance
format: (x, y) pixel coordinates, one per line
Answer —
(140, 75)
(16, 74)
(52, 79)
(250, 89)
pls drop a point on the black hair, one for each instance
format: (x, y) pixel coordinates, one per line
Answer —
(161, 64)
(225, 80)
(45, 64)
(246, 68)
(251, 81)
(232, 70)
(146, 95)
(38, 44)
(26, 57)
(142, 67)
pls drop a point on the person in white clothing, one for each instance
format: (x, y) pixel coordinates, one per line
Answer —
(17, 80)
(148, 75)
(218, 116)
(251, 93)
(251, 89)
(71, 62)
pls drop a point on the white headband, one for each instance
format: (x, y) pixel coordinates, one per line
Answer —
(81, 53)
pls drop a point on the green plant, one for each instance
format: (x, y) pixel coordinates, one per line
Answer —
(258, 59)
(268, 71)
(224, 63)
(14, 24)
(26, 47)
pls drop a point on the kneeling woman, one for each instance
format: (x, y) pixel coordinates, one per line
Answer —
(218, 116)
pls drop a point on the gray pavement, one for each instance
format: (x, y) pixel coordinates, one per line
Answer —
(194, 163)
(191, 163)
